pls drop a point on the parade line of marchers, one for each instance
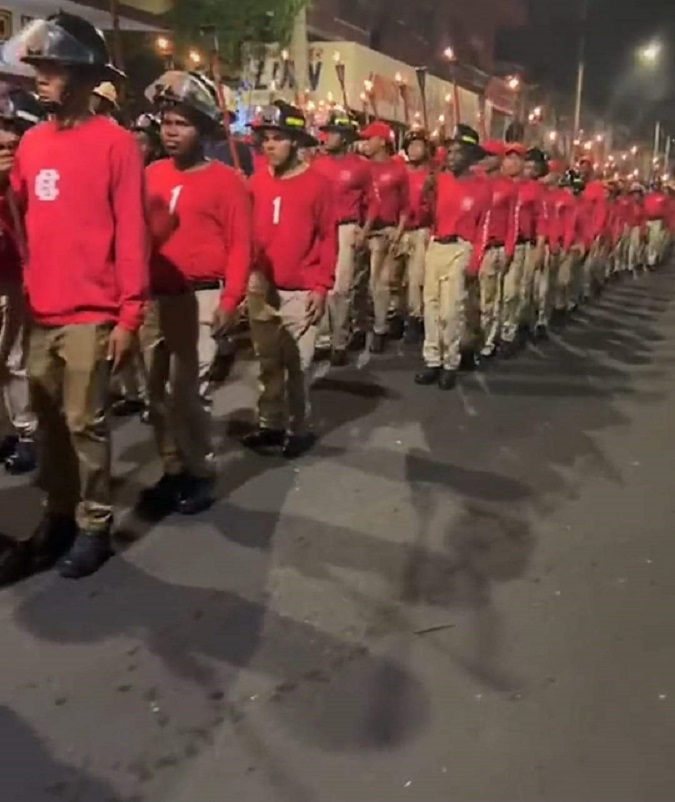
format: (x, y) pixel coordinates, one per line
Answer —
(128, 257)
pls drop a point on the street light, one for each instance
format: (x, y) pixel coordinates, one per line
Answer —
(513, 83)
(195, 58)
(651, 52)
(449, 54)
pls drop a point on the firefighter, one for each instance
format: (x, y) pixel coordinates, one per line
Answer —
(532, 231)
(200, 218)
(104, 100)
(295, 250)
(595, 210)
(80, 180)
(350, 177)
(572, 229)
(386, 221)
(554, 205)
(419, 151)
(146, 129)
(19, 111)
(460, 203)
(637, 225)
(656, 209)
(497, 249)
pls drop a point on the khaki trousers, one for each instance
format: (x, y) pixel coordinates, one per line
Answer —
(492, 270)
(655, 242)
(284, 344)
(529, 282)
(511, 294)
(381, 266)
(16, 416)
(413, 254)
(635, 249)
(445, 299)
(545, 281)
(178, 351)
(564, 298)
(69, 380)
(340, 298)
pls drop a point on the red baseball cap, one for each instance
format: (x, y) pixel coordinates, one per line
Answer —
(494, 147)
(515, 147)
(379, 129)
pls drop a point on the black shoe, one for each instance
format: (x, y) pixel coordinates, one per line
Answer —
(23, 460)
(53, 537)
(469, 361)
(264, 441)
(541, 332)
(377, 344)
(414, 331)
(127, 407)
(196, 496)
(447, 380)
(428, 376)
(508, 350)
(89, 553)
(396, 328)
(8, 446)
(14, 560)
(338, 358)
(357, 341)
(321, 354)
(161, 499)
(295, 445)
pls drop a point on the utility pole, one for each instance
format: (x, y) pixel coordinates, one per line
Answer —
(300, 53)
(581, 71)
(657, 142)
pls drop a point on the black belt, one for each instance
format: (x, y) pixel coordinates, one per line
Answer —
(205, 285)
(491, 245)
(447, 240)
(525, 241)
(349, 222)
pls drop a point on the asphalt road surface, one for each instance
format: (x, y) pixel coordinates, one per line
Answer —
(455, 598)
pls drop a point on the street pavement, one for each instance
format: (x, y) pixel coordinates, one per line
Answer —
(461, 597)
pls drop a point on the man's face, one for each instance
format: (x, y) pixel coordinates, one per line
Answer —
(334, 142)
(277, 146)
(373, 146)
(490, 163)
(52, 81)
(531, 170)
(9, 141)
(180, 137)
(417, 151)
(513, 165)
(457, 158)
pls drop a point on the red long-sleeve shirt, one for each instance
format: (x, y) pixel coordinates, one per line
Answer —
(500, 228)
(419, 214)
(390, 196)
(212, 240)
(565, 221)
(460, 209)
(656, 205)
(294, 231)
(530, 213)
(83, 193)
(10, 257)
(350, 178)
(594, 205)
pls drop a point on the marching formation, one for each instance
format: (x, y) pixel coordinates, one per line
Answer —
(129, 256)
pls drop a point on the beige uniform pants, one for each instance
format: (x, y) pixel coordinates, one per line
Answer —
(178, 351)
(413, 254)
(284, 344)
(545, 281)
(16, 416)
(445, 303)
(532, 268)
(635, 249)
(69, 380)
(491, 273)
(340, 298)
(512, 280)
(381, 266)
(564, 295)
(655, 242)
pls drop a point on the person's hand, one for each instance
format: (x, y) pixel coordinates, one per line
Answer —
(316, 305)
(395, 236)
(360, 240)
(223, 321)
(119, 346)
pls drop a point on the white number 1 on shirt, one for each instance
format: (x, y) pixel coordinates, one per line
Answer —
(276, 205)
(175, 194)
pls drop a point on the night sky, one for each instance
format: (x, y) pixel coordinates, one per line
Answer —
(619, 86)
